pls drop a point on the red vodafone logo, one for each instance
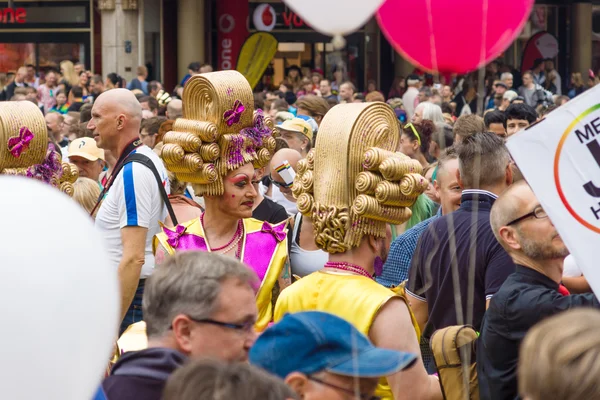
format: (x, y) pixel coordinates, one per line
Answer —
(226, 23)
(264, 17)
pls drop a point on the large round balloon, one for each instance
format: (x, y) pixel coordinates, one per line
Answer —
(452, 36)
(58, 295)
(335, 17)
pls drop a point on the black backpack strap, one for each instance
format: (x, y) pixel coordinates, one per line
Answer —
(142, 159)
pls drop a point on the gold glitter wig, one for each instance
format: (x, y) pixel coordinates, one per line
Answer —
(25, 149)
(219, 132)
(353, 182)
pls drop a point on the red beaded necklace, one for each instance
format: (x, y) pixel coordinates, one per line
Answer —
(345, 266)
(236, 238)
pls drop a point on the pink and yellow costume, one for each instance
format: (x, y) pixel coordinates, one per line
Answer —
(264, 249)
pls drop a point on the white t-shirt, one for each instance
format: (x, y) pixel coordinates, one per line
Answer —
(133, 200)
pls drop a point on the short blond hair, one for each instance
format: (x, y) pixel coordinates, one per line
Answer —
(560, 357)
(86, 193)
(468, 125)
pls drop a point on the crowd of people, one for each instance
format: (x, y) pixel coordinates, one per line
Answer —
(308, 241)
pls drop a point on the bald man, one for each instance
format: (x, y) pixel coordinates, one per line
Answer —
(19, 81)
(174, 109)
(283, 170)
(129, 216)
(532, 293)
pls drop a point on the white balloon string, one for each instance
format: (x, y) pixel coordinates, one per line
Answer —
(431, 37)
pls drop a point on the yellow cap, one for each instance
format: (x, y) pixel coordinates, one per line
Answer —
(297, 125)
(86, 148)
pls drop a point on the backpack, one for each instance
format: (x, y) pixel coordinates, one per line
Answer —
(451, 347)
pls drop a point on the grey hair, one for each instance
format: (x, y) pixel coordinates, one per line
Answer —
(482, 160)
(188, 283)
(506, 75)
(431, 111)
(426, 90)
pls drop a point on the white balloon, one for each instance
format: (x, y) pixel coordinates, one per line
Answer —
(58, 295)
(335, 17)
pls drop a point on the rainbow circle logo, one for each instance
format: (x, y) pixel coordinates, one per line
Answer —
(557, 181)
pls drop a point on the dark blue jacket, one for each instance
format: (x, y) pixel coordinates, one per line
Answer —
(142, 374)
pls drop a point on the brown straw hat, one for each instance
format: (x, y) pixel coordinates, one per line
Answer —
(354, 182)
(23, 135)
(219, 132)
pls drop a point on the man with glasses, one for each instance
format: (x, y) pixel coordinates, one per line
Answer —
(195, 304)
(321, 356)
(532, 293)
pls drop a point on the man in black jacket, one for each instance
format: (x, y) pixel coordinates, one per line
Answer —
(527, 296)
(195, 305)
(19, 81)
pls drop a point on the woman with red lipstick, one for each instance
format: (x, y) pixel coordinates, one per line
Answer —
(217, 148)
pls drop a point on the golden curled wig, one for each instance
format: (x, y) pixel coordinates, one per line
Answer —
(25, 149)
(353, 182)
(219, 132)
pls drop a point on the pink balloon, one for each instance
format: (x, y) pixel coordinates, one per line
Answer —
(452, 36)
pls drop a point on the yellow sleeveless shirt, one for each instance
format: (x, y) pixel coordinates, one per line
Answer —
(355, 298)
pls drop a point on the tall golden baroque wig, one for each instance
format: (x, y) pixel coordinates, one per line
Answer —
(353, 182)
(25, 149)
(219, 132)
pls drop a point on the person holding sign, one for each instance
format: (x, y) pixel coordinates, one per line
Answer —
(529, 295)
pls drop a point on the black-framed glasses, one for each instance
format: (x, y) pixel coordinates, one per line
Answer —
(538, 212)
(246, 327)
(280, 184)
(344, 390)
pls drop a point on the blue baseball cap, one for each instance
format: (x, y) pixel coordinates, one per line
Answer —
(312, 341)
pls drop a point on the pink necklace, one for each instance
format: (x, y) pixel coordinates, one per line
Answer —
(344, 266)
(236, 236)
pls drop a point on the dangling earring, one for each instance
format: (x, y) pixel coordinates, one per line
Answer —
(378, 266)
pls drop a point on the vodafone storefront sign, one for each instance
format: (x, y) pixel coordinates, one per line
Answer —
(232, 31)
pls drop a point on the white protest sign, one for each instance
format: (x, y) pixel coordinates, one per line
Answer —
(560, 158)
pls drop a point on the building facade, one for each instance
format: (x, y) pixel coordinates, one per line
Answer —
(166, 35)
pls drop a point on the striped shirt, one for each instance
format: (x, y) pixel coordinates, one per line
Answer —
(133, 200)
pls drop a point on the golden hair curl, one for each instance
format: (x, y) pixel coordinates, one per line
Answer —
(413, 183)
(394, 169)
(188, 142)
(172, 154)
(366, 182)
(305, 203)
(375, 156)
(369, 207)
(390, 194)
(209, 152)
(67, 188)
(330, 225)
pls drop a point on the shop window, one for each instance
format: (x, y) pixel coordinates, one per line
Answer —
(44, 55)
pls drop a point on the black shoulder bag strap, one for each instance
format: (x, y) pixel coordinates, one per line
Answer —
(142, 159)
